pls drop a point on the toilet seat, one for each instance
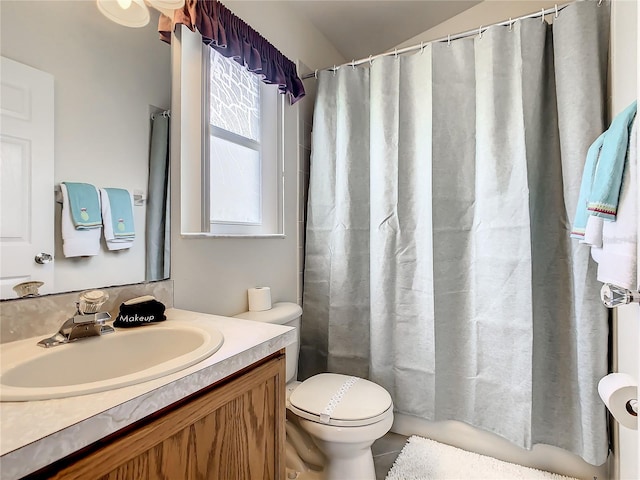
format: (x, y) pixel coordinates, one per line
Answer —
(340, 400)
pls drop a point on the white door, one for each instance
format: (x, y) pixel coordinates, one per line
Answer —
(26, 176)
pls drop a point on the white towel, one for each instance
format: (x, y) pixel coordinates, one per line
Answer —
(619, 259)
(113, 243)
(593, 236)
(76, 243)
(593, 231)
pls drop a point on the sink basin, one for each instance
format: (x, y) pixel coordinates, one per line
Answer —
(126, 357)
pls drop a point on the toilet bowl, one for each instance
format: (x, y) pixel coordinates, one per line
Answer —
(348, 449)
(332, 419)
(343, 415)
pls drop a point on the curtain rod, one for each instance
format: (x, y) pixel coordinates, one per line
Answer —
(166, 113)
(478, 31)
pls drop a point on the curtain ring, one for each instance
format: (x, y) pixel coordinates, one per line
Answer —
(599, 2)
(510, 24)
(556, 7)
(370, 59)
(335, 69)
(449, 40)
(542, 16)
(353, 63)
(480, 31)
(315, 74)
(395, 53)
(422, 47)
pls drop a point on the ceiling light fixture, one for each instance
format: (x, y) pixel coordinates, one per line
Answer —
(130, 13)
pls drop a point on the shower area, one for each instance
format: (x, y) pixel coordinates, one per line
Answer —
(438, 261)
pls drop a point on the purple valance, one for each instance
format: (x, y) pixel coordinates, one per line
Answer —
(233, 38)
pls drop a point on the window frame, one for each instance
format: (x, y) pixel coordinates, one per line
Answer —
(271, 164)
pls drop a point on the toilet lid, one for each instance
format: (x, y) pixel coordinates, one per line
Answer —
(280, 313)
(340, 400)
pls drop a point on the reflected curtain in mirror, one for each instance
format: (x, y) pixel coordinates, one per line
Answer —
(158, 204)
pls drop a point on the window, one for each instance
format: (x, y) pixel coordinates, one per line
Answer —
(242, 161)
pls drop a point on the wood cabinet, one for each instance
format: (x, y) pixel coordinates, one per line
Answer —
(233, 430)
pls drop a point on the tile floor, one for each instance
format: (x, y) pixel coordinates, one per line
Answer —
(385, 451)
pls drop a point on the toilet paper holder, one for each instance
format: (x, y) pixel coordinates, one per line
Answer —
(619, 393)
(613, 296)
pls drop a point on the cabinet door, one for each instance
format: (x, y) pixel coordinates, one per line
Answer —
(235, 431)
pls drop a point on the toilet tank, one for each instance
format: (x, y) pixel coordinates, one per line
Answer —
(282, 313)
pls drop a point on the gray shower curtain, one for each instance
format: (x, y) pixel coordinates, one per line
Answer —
(158, 261)
(438, 258)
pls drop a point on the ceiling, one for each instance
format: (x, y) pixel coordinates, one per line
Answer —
(359, 28)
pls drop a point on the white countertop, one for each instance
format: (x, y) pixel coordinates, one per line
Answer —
(35, 434)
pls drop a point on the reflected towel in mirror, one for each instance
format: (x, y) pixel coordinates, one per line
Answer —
(84, 205)
(117, 215)
(77, 243)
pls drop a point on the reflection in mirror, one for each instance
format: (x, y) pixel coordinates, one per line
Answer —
(108, 81)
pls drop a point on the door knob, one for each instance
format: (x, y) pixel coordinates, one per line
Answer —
(43, 258)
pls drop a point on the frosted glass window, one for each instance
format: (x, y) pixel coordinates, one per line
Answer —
(242, 165)
(234, 97)
(235, 183)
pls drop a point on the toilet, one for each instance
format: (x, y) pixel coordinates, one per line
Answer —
(332, 419)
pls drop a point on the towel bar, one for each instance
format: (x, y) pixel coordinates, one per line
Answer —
(139, 197)
(58, 193)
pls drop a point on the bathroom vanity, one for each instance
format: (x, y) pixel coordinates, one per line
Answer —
(220, 418)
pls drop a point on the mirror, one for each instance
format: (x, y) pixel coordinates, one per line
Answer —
(108, 81)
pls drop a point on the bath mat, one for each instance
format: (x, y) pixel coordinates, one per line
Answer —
(423, 459)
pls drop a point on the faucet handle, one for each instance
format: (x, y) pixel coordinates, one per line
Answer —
(91, 301)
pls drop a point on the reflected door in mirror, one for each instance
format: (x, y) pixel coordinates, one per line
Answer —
(26, 176)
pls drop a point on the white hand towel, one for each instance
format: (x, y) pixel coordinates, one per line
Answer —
(593, 231)
(619, 260)
(113, 243)
(76, 243)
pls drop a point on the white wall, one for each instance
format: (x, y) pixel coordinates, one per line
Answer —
(637, 29)
(482, 14)
(624, 38)
(638, 312)
(106, 79)
(212, 274)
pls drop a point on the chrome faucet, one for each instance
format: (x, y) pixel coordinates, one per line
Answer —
(81, 325)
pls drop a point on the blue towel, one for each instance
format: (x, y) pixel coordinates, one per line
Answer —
(121, 213)
(84, 205)
(580, 220)
(607, 179)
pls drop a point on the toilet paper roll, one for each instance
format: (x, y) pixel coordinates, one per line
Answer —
(259, 299)
(617, 390)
